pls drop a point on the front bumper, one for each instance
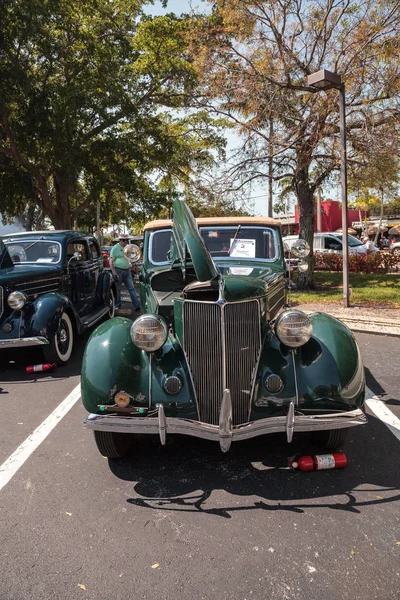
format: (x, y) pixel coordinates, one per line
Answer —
(225, 433)
(23, 342)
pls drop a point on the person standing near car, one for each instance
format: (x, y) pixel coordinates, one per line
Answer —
(121, 270)
(369, 245)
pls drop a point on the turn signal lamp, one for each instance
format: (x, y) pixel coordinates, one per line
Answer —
(121, 399)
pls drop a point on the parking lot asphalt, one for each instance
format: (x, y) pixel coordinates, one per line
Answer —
(185, 520)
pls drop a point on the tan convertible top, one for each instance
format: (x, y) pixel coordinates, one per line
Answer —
(160, 224)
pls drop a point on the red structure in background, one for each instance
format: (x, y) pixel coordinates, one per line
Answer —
(331, 216)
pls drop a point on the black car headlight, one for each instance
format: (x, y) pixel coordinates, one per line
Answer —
(149, 332)
(17, 300)
(293, 328)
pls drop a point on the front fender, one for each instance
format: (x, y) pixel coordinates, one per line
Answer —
(42, 316)
(112, 363)
(327, 371)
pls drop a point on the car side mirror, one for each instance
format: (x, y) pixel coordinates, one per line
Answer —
(77, 256)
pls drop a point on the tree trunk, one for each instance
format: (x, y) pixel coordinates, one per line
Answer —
(270, 167)
(62, 187)
(305, 198)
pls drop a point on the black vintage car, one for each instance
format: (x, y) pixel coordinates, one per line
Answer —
(52, 286)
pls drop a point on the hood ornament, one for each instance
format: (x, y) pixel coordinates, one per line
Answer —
(221, 289)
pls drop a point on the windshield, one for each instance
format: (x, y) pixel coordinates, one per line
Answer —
(34, 251)
(352, 240)
(247, 243)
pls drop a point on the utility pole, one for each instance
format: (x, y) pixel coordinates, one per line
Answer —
(319, 219)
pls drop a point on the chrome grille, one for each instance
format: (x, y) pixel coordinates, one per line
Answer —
(222, 344)
(1, 301)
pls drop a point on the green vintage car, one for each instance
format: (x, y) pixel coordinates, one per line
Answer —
(218, 354)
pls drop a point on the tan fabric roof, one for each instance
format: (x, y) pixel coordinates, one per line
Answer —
(216, 221)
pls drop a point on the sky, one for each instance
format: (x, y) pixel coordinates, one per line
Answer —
(258, 195)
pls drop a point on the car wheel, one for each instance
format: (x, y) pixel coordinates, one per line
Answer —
(332, 439)
(111, 304)
(113, 445)
(396, 252)
(59, 349)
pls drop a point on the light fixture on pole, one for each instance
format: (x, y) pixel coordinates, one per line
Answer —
(321, 81)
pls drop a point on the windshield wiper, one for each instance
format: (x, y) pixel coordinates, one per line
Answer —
(35, 242)
(234, 239)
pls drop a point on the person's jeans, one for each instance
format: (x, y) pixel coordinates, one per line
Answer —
(125, 276)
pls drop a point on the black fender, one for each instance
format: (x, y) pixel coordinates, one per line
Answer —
(42, 316)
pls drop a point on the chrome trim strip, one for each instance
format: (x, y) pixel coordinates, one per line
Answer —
(150, 425)
(150, 377)
(225, 422)
(24, 342)
(1, 301)
(296, 387)
(290, 423)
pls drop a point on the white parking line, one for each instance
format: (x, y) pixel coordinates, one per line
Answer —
(23, 452)
(380, 410)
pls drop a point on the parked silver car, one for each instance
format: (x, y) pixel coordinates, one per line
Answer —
(332, 242)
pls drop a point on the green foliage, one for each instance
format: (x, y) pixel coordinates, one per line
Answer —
(377, 262)
(85, 114)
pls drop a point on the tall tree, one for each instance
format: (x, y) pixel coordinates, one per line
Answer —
(83, 90)
(254, 57)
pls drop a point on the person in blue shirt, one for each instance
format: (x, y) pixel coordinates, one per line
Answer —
(121, 270)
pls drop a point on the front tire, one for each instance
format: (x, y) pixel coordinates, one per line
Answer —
(333, 439)
(113, 445)
(59, 349)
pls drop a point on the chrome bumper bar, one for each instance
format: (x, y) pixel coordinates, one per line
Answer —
(23, 342)
(225, 433)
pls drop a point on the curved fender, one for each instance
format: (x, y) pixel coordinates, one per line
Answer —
(329, 371)
(340, 350)
(104, 283)
(42, 317)
(112, 363)
(170, 360)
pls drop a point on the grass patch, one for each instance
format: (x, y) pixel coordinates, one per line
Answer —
(367, 290)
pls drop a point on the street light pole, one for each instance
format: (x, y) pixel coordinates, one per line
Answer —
(326, 80)
(343, 179)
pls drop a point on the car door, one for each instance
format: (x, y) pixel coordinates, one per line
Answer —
(332, 245)
(93, 271)
(78, 265)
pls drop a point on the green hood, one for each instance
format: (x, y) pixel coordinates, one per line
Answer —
(185, 237)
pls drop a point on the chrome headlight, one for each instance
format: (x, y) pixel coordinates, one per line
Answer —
(17, 300)
(293, 328)
(149, 332)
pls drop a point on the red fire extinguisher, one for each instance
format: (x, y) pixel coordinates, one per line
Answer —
(320, 462)
(42, 367)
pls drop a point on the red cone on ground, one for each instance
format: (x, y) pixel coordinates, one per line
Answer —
(320, 462)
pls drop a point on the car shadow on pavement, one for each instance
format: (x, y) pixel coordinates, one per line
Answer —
(183, 475)
(377, 389)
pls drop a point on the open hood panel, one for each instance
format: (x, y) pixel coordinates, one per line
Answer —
(186, 237)
(5, 258)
